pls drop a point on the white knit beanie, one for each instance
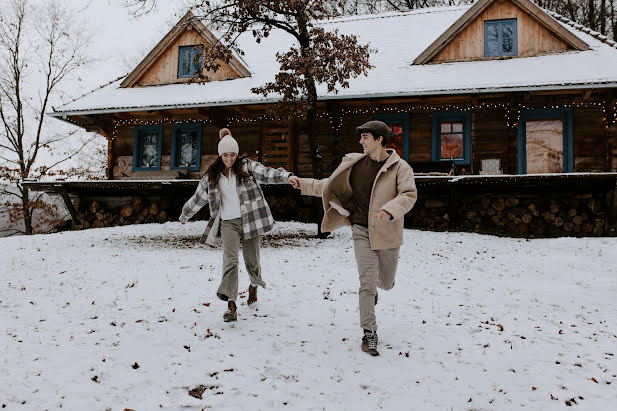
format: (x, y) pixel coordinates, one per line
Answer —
(228, 144)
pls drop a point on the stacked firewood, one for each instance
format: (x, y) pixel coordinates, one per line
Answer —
(137, 211)
(578, 215)
(288, 207)
(517, 215)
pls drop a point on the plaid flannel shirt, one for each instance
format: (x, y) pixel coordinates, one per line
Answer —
(256, 215)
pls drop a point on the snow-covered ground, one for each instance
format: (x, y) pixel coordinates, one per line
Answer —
(127, 317)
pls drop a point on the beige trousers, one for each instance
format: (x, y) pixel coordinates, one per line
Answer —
(375, 269)
(232, 236)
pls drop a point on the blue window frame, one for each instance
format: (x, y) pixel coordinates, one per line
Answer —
(546, 122)
(147, 148)
(186, 147)
(190, 61)
(500, 38)
(451, 137)
(399, 132)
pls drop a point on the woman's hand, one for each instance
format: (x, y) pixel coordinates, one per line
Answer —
(294, 181)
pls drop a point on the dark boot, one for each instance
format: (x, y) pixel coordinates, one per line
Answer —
(252, 295)
(369, 343)
(231, 314)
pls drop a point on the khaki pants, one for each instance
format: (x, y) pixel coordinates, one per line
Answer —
(232, 236)
(375, 269)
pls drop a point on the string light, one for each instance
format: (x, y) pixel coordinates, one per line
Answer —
(337, 118)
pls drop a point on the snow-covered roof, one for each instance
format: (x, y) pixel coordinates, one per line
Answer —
(398, 38)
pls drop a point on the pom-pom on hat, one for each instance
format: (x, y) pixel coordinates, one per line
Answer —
(228, 144)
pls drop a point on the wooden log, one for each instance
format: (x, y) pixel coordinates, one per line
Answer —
(126, 210)
(554, 208)
(499, 204)
(512, 202)
(98, 224)
(558, 222)
(598, 230)
(548, 216)
(526, 218)
(577, 220)
(470, 215)
(99, 216)
(94, 207)
(568, 227)
(153, 210)
(136, 203)
(594, 205)
(485, 202)
(161, 217)
(572, 212)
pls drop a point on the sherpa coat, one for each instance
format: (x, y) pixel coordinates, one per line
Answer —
(256, 215)
(394, 191)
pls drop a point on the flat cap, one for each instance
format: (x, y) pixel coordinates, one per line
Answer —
(377, 128)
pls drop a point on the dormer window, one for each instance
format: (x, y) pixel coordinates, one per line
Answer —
(190, 61)
(500, 38)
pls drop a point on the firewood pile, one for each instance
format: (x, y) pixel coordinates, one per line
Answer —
(137, 211)
(524, 215)
(288, 207)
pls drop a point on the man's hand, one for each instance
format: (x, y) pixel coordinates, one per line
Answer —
(383, 215)
(294, 181)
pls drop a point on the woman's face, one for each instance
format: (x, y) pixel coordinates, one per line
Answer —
(229, 159)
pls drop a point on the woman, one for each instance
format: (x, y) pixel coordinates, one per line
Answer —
(239, 214)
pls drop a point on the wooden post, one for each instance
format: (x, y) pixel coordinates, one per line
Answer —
(69, 206)
(611, 223)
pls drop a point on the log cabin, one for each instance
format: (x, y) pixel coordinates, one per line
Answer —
(506, 111)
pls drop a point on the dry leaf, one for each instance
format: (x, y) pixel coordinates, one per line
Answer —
(500, 327)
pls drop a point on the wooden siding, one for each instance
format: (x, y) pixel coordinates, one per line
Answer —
(594, 145)
(532, 38)
(165, 69)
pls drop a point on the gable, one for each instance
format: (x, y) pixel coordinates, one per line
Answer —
(536, 33)
(161, 65)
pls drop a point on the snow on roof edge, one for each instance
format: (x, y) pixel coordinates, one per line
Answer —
(543, 87)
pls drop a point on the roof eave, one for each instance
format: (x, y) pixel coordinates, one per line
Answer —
(63, 115)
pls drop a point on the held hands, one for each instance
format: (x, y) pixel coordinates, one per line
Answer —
(383, 215)
(294, 181)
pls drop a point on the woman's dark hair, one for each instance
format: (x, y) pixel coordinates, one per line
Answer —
(217, 167)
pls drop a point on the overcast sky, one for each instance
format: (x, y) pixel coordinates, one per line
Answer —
(120, 41)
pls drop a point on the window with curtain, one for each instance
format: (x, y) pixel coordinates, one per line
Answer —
(500, 38)
(186, 147)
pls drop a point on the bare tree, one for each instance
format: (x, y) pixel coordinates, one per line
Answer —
(140, 7)
(40, 47)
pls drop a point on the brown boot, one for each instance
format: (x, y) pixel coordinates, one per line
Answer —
(252, 295)
(369, 343)
(231, 314)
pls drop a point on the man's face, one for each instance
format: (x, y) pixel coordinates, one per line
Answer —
(369, 144)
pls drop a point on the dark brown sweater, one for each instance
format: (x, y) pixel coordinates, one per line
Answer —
(361, 179)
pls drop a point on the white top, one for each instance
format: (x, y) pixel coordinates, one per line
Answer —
(230, 201)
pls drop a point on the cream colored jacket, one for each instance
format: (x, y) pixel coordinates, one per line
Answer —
(394, 191)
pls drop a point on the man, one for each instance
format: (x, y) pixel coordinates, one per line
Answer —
(372, 192)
